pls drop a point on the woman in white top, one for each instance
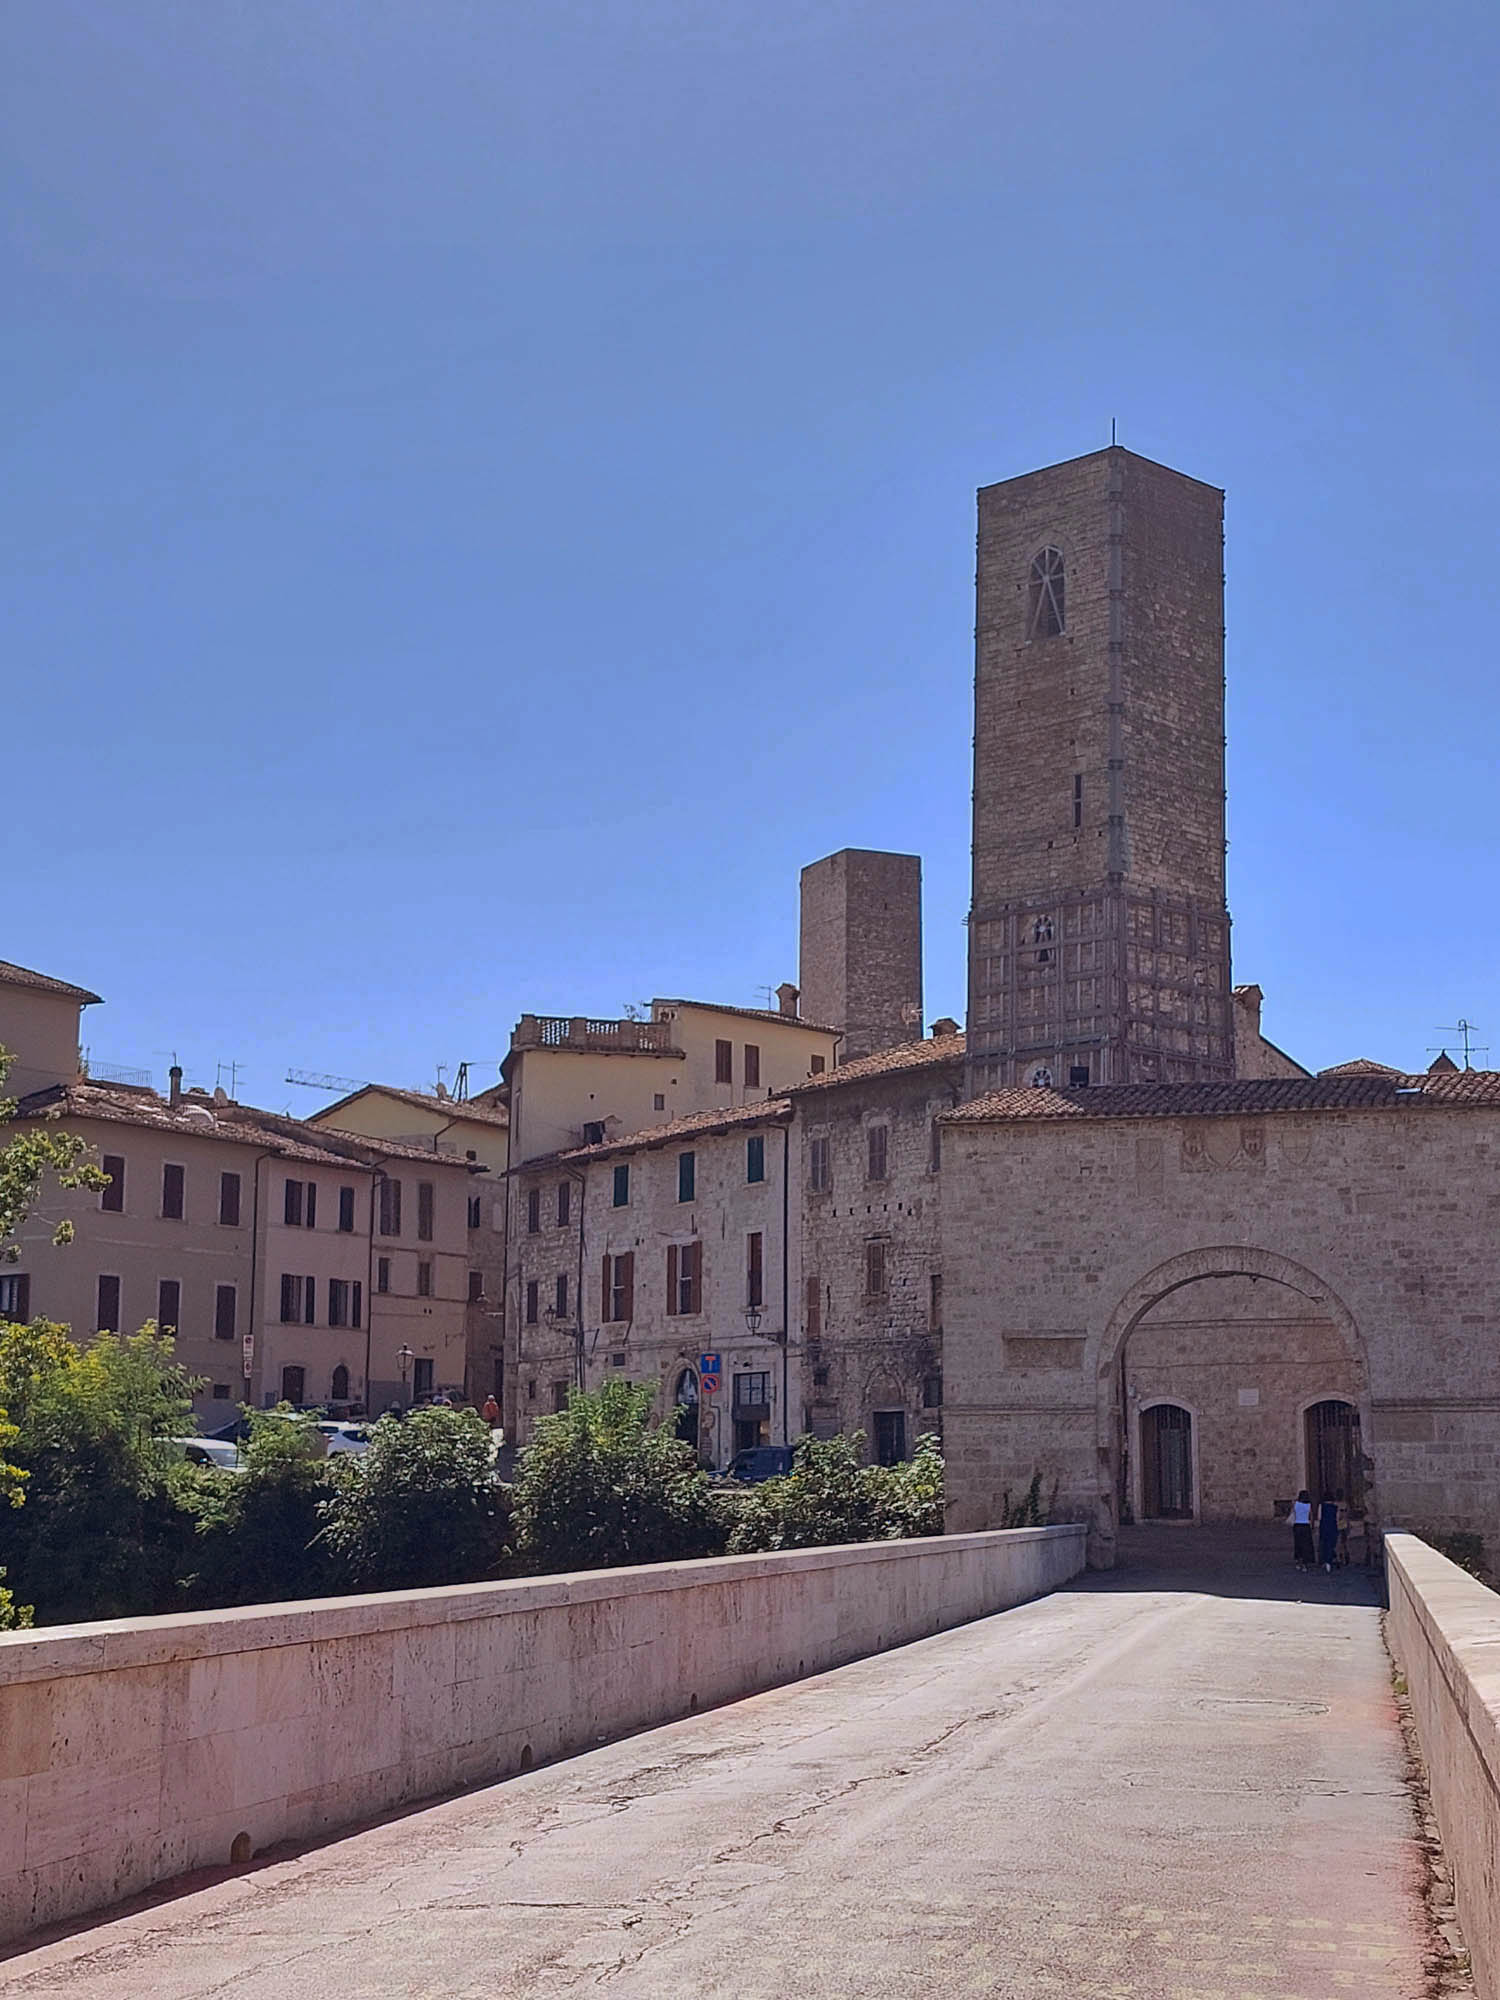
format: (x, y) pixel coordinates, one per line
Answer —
(1300, 1523)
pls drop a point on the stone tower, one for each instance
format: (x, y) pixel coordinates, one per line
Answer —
(861, 950)
(1098, 933)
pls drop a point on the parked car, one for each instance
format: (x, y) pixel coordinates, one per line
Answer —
(339, 1437)
(758, 1462)
(221, 1452)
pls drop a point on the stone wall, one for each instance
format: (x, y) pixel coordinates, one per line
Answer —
(1444, 1629)
(133, 1750)
(861, 948)
(1059, 1234)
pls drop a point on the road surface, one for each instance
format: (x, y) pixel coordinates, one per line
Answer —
(1146, 1787)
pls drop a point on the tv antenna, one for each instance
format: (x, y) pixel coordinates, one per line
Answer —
(234, 1069)
(1465, 1030)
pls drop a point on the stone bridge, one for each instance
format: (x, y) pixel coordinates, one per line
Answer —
(1184, 1779)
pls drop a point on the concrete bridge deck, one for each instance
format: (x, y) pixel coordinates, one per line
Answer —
(1182, 1780)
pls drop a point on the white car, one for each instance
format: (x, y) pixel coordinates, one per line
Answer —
(344, 1437)
(223, 1453)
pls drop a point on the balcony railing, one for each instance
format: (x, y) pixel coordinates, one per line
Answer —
(579, 1031)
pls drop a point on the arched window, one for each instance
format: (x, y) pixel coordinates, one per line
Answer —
(1044, 611)
(685, 1408)
(1041, 937)
(340, 1387)
(1041, 1077)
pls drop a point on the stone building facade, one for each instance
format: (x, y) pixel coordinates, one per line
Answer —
(1302, 1268)
(861, 948)
(1099, 935)
(871, 1295)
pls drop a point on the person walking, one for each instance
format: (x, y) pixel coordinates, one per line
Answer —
(491, 1412)
(1328, 1531)
(1300, 1523)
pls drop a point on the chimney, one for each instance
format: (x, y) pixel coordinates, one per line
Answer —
(944, 1025)
(786, 999)
(174, 1085)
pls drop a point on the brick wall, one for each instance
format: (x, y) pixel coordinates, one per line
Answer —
(861, 948)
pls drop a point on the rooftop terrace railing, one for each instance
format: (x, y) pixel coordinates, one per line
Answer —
(579, 1031)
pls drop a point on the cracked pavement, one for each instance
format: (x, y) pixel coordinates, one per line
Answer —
(1180, 1781)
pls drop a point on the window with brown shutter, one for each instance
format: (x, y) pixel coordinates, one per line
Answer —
(346, 1211)
(226, 1305)
(673, 1280)
(684, 1278)
(424, 1279)
(564, 1203)
(531, 1302)
(755, 1284)
(618, 1291)
(752, 1065)
(723, 1062)
(814, 1314)
(291, 1205)
(229, 1200)
(533, 1210)
(309, 1301)
(390, 1208)
(173, 1192)
(560, 1296)
(312, 1204)
(878, 1137)
(875, 1269)
(424, 1211)
(169, 1305)
(112, 1198)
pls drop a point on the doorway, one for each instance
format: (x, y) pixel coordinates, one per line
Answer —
(294, 1386)
(890, 1436)
(1335, 1454)
(685, 1408)
(1166, 1463)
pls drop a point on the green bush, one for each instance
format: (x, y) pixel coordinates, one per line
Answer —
(599, 1486)
(93, 1537)
(831, 1496)
(421, 1506)
(257, 1532)
(13, 1617)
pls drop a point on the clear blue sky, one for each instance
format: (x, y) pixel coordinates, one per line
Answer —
(489, 487)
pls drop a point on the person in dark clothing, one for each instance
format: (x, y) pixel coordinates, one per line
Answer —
(1328, 1531)
(1300, 1523)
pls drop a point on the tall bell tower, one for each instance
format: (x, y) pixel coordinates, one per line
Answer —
(1098, 932)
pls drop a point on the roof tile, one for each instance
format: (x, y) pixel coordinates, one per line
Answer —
(1245, 1097)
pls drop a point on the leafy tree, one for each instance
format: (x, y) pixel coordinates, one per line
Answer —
(909, 1496)
(831, 1495)
(91, 1429)
(599, 1486)
(26, 1159)
(421, 1506)
(258, 1531)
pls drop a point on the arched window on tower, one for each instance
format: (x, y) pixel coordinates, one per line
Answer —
(1044, 614)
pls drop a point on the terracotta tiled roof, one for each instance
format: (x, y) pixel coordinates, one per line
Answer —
(20, 975)
(930, 1054)
(232, 1124)
(446, 1107)
(1361, 1066)
(1247, 1097)
(751, 1014)
(692, 1124)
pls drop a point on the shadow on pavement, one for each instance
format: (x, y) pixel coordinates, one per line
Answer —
(1231, 1560)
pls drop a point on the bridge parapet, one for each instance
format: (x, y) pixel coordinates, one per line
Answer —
(134, 1749)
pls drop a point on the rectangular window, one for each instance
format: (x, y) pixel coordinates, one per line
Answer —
(559, 1398)
(356, 1303)
(935, 1303)
(15, 1296)
(424, 1279)
(819, 1166)
(755, 1158)
(686, 1176)
(421, 1377)
(1078, 798)
(564, 1203)
(221, 1392)
(229, 1200)
(752, 1066)
(226, 1312)
(560, 1297)
(619, 1286)
(659, 1102)
(875, 1270)
(107, 1306)
(293, 1385)
(338, 1301)
(476, 1210)
(533, 1210)
(424, 1211)
(890, 1437)
(291, 1206)
(476, 1287)
(173, 1192)
(531, 1302)
(813, 1316)
(312, 1204)
(753, 1391)
(877, 1138)
(291, 1299)
(816, 1066)
(622, 1187)
(390, 1208)
(723, 1062)
(169, 1305)
(1078, 1075)
(684, 1277)
(382, 1274)
(309, 1301)
(755, 1282)
(346, 1211)
(935, 1148)
(112, 1198)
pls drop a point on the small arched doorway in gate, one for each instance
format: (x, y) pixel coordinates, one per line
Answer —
(685, 1408)
(1335, 1454)
(1166, 1463)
